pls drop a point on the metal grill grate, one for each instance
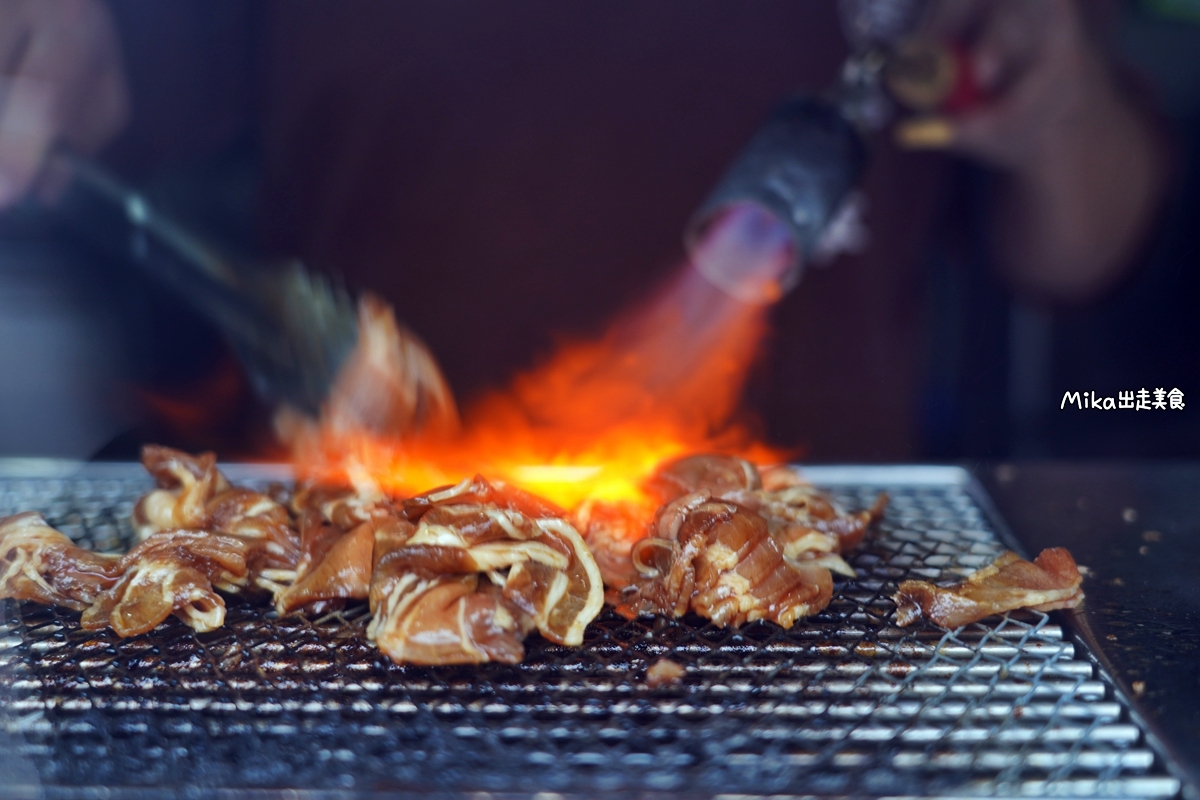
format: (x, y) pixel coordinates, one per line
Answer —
(842, 704)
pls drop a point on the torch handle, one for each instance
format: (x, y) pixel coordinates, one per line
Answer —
(925, 76)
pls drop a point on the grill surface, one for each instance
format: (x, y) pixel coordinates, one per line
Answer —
(843, 704)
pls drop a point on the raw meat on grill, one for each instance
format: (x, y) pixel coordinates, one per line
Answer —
(338, 530)
(789, 536)
(806, 521)
(718, 559)
(484, 565)
(172, 572)
(1051, 581)
(456, 575)
(192, 494)
(42, 565)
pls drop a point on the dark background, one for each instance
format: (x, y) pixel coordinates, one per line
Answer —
(510, 174)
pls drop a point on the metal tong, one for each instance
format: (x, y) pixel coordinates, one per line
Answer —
(292, 329)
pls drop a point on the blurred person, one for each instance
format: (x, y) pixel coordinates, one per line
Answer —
(1079, 171)
(503, 175)
(1080, 158)
(61, 82)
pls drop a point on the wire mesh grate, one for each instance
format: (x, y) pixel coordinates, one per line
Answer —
(844, 703)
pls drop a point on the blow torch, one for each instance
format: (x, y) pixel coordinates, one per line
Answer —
(790, 198)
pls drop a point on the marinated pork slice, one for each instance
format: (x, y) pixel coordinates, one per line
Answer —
(186, 484)
(390, 384)
(265, 526)
(389, 387)
(798, 510)
(447, 619)
(192, 494)
(343, 506)
(718, 559)
(42, 565)
(612, 528)
(172, 572)
(804, 526)
(198, 534)
(806, 521)
(337, 541)
(718, 474)
(482, 566)
(1050, 582)
(336, 566)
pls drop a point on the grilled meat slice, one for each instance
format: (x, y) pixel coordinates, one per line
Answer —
(492, 563)
(343, 506)
(1050, 582)
(804, 526)
(337, 566)
(806, 520)
(186, 484)
(337, 542)
(718, 474)
(446, 619)
(803, 519)
(718, 559)
(610, 530)
(192, 494)
(198, 534)
(40, 564)
(172, 572)
(265, 526)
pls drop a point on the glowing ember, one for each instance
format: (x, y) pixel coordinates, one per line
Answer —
(592, 421)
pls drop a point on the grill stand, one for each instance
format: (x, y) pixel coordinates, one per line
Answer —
(844, 704)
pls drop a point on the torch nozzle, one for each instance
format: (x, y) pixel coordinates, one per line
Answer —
(746, 251)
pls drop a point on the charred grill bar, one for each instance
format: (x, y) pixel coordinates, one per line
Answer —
(844, 703)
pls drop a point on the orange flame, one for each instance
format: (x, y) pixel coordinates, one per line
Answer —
(596, 418)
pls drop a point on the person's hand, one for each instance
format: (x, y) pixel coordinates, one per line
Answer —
(62, 80)
(1084, 166)
(1043, 77)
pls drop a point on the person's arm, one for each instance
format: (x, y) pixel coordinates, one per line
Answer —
(1081, 167)
(61, 80)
